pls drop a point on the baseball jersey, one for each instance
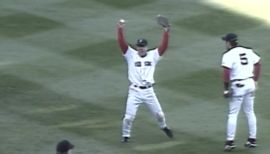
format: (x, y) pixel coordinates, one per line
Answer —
(141, 69)
(240, 60)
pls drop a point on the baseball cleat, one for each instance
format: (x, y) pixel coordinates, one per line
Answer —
(251, 143)
(168, 132)
(229, 146)
(125, 140)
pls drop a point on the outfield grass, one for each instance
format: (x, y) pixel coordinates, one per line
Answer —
(62, 76)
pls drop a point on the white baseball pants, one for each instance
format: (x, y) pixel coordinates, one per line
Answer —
(136, 97)
(243, 95)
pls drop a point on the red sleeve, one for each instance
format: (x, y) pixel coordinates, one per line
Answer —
(164, 43)
(121, 40)
(257, 71)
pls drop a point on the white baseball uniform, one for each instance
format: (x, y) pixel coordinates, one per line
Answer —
(240, 61)
(141, 76)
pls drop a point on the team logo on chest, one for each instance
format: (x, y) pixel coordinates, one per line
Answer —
(146, 63)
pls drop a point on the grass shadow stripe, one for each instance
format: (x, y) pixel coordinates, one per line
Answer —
(104, 54)
(119, 4)
(21, 24)
(89, 123)
(157, 146)
(33, 101)
(184, 142)
(126, 4)
(217, 22)
(5, 63)
(81, 123)
(197, 84)
(51, 109)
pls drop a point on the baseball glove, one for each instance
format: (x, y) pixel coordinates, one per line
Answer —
(163, 21)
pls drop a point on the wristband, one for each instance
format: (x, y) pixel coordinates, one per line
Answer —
(226, 85)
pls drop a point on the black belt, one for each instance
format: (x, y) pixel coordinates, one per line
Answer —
(143, 87)
(241, 79)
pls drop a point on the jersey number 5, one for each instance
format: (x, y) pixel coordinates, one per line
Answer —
(243, 59)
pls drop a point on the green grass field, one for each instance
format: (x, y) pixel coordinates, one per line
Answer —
(62, 76)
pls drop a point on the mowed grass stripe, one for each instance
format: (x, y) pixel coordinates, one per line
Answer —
(43, 139)
(21, 24)
(89, 23)
(230, 22)
(81, 85)
(80, 79)
(18, 52)
(51, 109)
(56, 107)
(20, 105)
(53, 85)
(89, 123)
(185, 112)
(154, 147)
(84, 87)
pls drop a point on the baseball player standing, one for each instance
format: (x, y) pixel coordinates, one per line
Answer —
(141, 66)
(241, 70)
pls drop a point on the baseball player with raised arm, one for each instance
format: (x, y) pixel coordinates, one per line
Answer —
(141, 67)
(241, 70)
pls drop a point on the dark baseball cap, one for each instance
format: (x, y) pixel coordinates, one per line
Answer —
(141, 42)
(230, 37)
(64, 146)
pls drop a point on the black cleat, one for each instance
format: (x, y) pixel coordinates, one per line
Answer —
(125, 140)
(168, 132)
(251, 143)
(229, 146)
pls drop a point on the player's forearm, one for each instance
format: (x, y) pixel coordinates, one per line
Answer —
(226, 78)
(164, 42)
(257, 71)
(121, 40)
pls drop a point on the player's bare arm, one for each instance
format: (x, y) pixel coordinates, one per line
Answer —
(120, 36)
(257, 70)
(226, 79)
(164, 42)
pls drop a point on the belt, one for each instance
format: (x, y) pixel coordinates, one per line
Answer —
(143, 87)
(241, 79)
